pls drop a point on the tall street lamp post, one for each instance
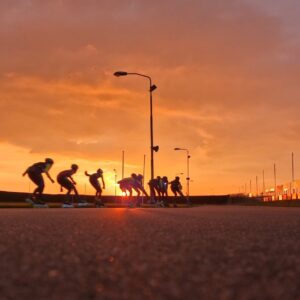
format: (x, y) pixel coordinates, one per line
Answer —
(187, 171)
(153, 148)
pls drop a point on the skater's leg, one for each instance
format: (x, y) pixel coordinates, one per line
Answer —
(69, 186)
(175, 200)
(175, 197)
(130, 202)
(145, 193)
(165, 198)
(75, 192)
(98, 200)
(38, 192)
(37, 179)
(153, 200)
(69, 197)
(183, 197)
(138, 197)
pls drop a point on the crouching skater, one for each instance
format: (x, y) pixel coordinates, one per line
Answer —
(134, 182)
(94, 181)
(35, 172)
(176, 188)
(66, 181)
(126, 185)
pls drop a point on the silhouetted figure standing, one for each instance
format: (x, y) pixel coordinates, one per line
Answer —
(176, 188)
(164, 186)
(65, 179)
(154, 185)
(159, 186)
(137, 185)
(94, 181)
(35, 172)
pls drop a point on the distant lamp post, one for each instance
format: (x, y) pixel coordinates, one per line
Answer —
(187, 171)
(275, 182)
(115, 171)
(153, 148)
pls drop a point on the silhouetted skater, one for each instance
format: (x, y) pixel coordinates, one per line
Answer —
(94, 181)
(155, 186)
(65, 179)
(164, 186)
(132, 183)
(126, 185)
(35, 172)
(159, 186)
(137, 185)
(154, 189)
(176, 188)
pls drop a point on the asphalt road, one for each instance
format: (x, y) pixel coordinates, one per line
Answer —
(210, 252)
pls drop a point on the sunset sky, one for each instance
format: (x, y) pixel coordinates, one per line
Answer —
(227, 73)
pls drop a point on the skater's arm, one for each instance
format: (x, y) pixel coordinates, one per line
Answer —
(103, 183)
(87, 174)
(73, 181)
(48, 175)
(25, 172)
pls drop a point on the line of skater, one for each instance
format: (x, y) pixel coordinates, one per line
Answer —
(66, 181)
(158, 187)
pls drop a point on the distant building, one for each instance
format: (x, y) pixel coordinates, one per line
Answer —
(286, 191)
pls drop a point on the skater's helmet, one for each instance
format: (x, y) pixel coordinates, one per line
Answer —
(74, 167)
(49, 161)
(177, 178)
(140, 176)
(133, 175)
(100, 171)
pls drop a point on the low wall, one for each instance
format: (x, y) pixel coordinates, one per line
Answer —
(20, 197)
(12, 197)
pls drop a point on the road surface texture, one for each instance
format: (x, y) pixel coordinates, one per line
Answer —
(209, 252)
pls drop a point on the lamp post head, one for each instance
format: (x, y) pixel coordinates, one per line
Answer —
(176, 149)
(155, 148)
(153, 87)
(120, 73)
